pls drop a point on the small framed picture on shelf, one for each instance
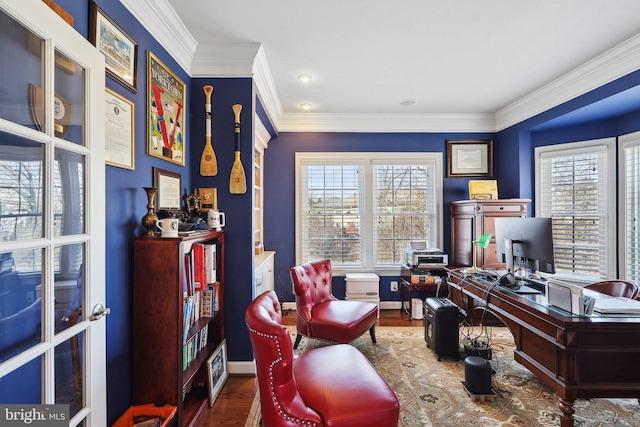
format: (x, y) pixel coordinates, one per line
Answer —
(169, 195)
(470, 157)
(217, 369)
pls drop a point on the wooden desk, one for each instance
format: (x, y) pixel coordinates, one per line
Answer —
(406, 282)
(578, 357)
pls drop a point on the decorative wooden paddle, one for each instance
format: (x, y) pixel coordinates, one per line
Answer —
(208, 161)
(238, 181)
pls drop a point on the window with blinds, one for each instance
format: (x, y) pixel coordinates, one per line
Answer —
(361, 210)
(333, 212)
(404, 209)
(573, 187)
(630, 212)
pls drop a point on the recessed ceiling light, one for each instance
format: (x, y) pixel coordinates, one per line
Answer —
(408, 102)
(305, 106)
(304, 78)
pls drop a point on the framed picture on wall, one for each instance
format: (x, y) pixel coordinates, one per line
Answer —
(119, 146)
(166, 112)
(120, 50)
(470, 157)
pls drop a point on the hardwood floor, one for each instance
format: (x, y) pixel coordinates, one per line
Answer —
(234, 401)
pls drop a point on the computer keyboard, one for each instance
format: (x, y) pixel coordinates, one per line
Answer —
(537, 284)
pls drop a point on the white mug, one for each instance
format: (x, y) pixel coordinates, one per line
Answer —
(215, 219)
(168, 227)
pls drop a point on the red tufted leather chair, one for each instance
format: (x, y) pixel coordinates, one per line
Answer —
(333, 386)
(321, 315)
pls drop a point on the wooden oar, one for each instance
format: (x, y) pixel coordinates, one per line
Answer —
(238, 181)
(208, 161)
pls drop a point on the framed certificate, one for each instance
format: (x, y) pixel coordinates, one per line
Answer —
(119, 131)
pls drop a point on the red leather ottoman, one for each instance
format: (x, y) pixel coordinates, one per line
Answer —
(344, 388)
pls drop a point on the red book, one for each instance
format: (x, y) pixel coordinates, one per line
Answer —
(199, 267)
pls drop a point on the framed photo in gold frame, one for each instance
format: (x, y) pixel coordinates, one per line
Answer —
(120, 50)
(166, 112)
(470, 157)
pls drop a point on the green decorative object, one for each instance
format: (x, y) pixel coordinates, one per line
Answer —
(482, 242)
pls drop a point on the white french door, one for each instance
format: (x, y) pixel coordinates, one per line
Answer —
(52, 273)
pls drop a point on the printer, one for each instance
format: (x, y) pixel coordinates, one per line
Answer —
(425, 258)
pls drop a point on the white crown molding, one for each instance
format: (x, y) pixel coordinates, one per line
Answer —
(353, 122)
(160, 19)
(266, 88)
(611, 65)
(262, 135)
(249, 60)
(224, 59)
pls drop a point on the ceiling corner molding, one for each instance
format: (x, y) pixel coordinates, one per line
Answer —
(262, 135)
(386, 123)
(224, 59)
(160, 19)
(613, 64)
(266, 88)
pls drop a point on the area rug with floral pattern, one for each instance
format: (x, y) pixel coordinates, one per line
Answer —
(431, 391)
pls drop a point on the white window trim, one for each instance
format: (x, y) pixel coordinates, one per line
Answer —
(574, 148)
(624, 141)
(368, 160)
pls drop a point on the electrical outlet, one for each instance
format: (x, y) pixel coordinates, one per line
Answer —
(394, 286)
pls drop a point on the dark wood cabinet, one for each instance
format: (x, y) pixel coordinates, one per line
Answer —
(158, 322)
(470, 219)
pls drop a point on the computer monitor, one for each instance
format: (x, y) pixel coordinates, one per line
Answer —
(524, 242)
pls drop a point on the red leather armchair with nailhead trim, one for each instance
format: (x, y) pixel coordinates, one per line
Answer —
(321, 315)
(332, 386)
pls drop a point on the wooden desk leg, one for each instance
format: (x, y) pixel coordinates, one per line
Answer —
(567, 409)
(401, 296)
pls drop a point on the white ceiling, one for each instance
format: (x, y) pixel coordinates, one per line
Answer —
(464, 58)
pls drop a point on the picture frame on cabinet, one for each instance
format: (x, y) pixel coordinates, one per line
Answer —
(120, 50)
(217, 371)
(166, 112)
(470, 158)
(169, 194)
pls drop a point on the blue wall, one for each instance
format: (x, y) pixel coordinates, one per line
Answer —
(126, 201)
(279, 174)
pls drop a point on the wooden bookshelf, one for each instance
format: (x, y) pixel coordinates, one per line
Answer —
(158, 321)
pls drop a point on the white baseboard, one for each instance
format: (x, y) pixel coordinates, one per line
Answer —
(384, 305)
(242, 367)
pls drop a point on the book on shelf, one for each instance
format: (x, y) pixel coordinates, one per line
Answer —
(199, 273)
(207, 301)
(210, 262)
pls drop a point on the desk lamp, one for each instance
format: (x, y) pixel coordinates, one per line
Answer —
(482, 242)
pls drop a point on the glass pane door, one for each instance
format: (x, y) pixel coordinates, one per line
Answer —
(50, 161)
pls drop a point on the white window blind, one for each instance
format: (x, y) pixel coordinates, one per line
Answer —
(630, 211)
(332, 212)
(361, 210)
(573, 188)
(404, 209)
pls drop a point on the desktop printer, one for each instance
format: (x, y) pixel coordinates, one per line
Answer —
(425, 258)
